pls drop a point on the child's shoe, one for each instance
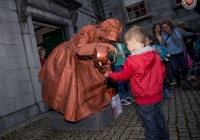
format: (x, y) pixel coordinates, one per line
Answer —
(125, 102)
(130, 99)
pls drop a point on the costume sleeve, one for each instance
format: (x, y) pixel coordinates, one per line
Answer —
(124, 75)
(85, 38)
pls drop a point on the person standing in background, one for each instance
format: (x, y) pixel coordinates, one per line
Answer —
(173, 40)
(42, 53)
(120, 58)
(188, 40)
(157, 38)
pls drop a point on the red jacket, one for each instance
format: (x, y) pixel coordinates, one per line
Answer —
(146, 73)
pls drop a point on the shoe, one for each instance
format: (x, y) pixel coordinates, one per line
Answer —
(172, 83)
(130, 99)
(125, 102)
(167, 97)
(166, 93)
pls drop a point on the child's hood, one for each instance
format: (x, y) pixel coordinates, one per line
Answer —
(144, 57)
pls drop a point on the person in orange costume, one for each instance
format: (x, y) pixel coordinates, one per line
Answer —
(72, 83)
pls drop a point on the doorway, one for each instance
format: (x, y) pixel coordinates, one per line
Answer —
(48, 36)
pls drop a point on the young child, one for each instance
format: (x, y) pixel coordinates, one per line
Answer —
(42, 53)
(146, 73)
(162, 52)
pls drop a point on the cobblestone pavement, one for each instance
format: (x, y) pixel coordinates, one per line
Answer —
(182, 112)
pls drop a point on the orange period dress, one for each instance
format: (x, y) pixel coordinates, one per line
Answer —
(72, 83)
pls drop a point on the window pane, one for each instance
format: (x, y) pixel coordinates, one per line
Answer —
(143, 12)
(178, 1)
(135, 8)
(131, 16)
(129, 9)
(137, 14)
(141, 5)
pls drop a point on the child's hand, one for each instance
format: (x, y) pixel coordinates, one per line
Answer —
(106, 74)
(120, 53)
(111, 48)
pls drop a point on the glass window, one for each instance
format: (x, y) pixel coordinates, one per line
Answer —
(143, 12)
(129, 9)
(135, 8)
(131, 16)
(141, 5)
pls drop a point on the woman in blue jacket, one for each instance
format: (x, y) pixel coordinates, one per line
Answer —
(173, 40)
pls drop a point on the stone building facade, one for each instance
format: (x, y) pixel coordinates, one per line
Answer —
(156, 11)
(21, 21)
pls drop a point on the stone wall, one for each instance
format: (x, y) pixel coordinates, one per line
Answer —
(20, 88)
(117, 11)
(17, 97)
(85, 14)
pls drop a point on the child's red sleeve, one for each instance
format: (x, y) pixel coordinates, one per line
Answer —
(124, 75)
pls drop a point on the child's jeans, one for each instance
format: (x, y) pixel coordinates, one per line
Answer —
(154, 121)
(122, 86)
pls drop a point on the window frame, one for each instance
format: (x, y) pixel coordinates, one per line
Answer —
(133, 5)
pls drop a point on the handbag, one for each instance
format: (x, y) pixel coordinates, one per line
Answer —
(188, 59)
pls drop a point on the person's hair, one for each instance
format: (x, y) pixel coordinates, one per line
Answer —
(137, 33)
(40, 50)
(120, 40)
(169, 23)
(149, 37)
(180, 23)
(154, 27)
